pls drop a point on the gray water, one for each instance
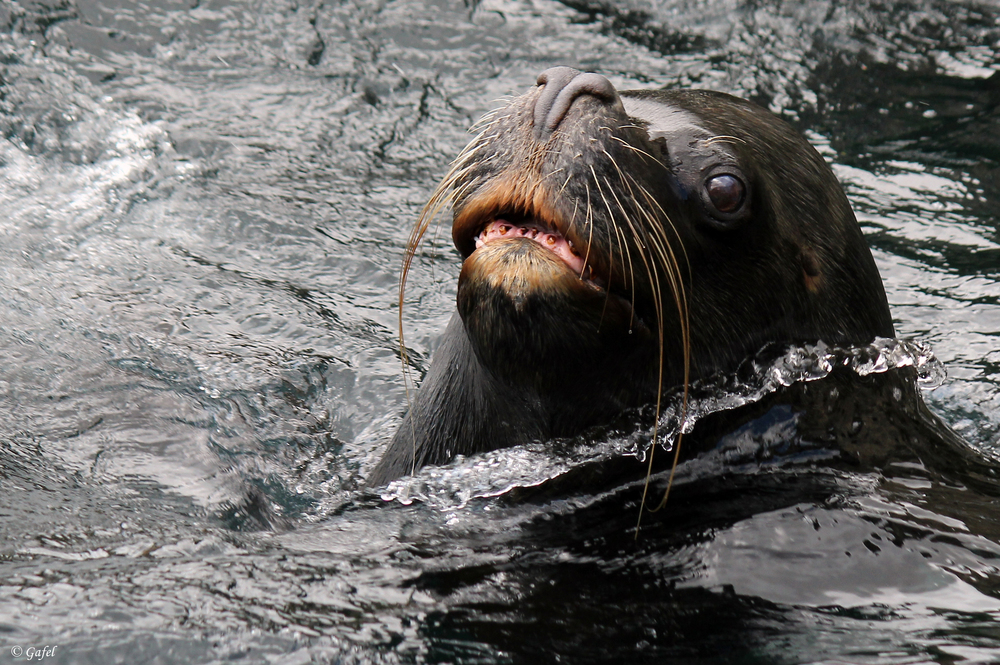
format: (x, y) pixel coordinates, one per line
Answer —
(203, 211)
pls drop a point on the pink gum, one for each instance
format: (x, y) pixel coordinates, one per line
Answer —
(553, 242)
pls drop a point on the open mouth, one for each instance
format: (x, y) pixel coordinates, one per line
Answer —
(550, 239)
(506, 226)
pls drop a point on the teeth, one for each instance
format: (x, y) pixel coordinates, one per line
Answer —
(533, 230)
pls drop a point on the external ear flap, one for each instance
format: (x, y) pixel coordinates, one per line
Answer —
(812, 274)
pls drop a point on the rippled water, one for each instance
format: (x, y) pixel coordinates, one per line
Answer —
(203, 209)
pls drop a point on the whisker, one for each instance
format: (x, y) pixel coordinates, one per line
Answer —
(590, 232)
(724, 139)
(623, 249)
(444, 194)
(658, 243)
(637, 150)
(569, 176)
(552, 173)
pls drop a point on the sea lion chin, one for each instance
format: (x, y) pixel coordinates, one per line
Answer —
(618, 243)
(535, 322)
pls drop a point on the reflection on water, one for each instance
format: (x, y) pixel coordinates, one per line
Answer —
(203, 208)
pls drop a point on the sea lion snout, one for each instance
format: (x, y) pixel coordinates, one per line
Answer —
(561, 86)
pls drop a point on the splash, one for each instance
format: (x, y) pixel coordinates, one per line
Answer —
(498, 472)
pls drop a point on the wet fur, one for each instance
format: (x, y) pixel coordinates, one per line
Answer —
(684, 299)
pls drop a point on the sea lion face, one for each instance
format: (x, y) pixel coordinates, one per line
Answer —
(604, 233)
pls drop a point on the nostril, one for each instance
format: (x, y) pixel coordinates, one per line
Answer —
(553, 81)
(561, 87)
(558, 77)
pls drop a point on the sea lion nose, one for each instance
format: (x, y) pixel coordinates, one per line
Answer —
(561, 86)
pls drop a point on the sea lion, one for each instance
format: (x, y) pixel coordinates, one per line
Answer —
(617, 243)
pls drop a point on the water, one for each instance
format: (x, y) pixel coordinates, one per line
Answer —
(203, 209)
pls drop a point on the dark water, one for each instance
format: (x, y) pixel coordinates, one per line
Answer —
(203, 209)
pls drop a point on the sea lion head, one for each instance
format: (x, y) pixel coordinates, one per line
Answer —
(605, 228)
(618, 243)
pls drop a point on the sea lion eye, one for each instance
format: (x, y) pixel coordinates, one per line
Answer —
(726, 193)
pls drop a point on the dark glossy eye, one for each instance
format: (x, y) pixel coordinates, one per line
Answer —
(726, 192)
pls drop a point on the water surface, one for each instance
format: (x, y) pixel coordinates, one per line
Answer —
(203, 210)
